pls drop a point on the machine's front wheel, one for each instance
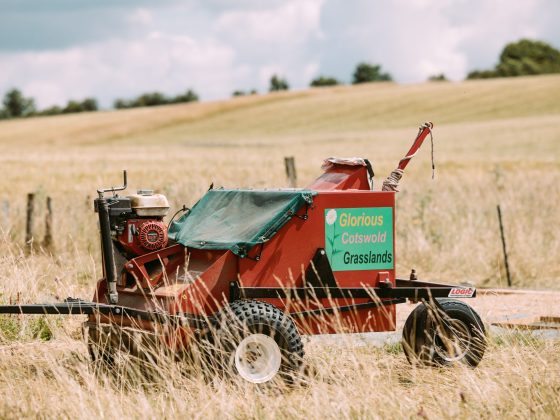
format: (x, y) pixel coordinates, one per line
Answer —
(444, 334)
(258, 342)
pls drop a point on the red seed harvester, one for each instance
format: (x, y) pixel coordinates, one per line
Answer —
(276, 263)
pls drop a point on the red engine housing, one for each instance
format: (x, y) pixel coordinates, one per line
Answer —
(143, 235)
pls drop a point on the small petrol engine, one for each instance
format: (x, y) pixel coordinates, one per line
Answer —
(136, 222)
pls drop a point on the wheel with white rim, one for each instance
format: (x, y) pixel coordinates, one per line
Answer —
(444, 334)
(258, 342)
(257, 358)
(452, 340)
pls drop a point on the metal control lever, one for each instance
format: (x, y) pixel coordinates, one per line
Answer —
(101, 191)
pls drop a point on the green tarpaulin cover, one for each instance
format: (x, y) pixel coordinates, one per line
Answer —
(237, 219)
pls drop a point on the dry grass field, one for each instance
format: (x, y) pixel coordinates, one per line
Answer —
(496, 142)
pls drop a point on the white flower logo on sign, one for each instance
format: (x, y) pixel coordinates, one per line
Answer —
(331, 217)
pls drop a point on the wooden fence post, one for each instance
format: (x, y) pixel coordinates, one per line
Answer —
(291, 171)
(504, 245)
(48, 243)
(29, 221)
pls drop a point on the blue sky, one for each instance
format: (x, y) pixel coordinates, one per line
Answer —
(70, 49)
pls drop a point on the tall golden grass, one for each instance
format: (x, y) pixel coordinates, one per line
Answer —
(518, 378)
(496, 142)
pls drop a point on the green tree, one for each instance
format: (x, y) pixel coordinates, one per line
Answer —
(53, 110)
(150, 99)
(366, 73)
(189, 96)
(278, 83)
(522, 58)
(527, 57)
(481, 74)
(155, 99)
(16, 105)
(437, 78)
(89, 104)
(72, 107)
(324, 81)
(240, 92)
(122, 104)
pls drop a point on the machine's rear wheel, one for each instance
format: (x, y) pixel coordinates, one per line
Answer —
(258, 342)
(444, 334)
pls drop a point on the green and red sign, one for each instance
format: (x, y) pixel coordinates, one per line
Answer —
(359, 238)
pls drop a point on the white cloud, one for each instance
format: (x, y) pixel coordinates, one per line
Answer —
(289, 24)
(414, 39)
(496, 23)
(219, 46)
(274, 40)
(121, 68)
(410, 39)
(425, 43)
(141, 16)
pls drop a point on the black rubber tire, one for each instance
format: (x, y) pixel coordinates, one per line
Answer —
(245, 317)
(428, 335)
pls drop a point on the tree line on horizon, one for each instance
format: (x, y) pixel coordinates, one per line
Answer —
(364, 73)
(155, 99)
(521, 58)
(15, 105)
